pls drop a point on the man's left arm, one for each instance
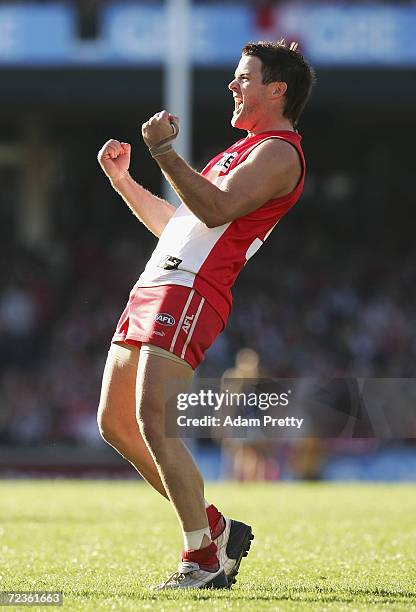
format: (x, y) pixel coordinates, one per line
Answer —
(271, 170)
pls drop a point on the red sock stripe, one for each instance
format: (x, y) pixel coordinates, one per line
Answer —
(203, 556)
(213, 515)
(216, 525)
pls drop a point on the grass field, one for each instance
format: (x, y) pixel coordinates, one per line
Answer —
(317, 546)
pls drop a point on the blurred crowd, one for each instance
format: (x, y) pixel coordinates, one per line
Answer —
(331, 293)
(308, 308)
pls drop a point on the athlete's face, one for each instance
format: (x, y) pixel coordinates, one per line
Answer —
(249, 93)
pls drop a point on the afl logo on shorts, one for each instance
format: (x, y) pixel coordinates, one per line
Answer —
(164, 319)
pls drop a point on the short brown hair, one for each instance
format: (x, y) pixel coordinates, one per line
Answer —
(284, 63)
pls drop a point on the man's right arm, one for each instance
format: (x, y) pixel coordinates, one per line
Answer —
(152, 211)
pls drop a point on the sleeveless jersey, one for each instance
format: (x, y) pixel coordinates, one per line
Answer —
(210, 259)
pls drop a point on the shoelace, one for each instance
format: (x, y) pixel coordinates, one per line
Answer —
(185, 568)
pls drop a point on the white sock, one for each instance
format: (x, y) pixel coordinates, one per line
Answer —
(193, 539)
(207, 504)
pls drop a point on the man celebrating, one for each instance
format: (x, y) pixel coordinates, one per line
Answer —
(182, 300)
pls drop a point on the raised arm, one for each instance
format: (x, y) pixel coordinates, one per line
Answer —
(152, 211)
(272, 170)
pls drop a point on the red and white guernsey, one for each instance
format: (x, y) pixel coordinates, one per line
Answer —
(210, 259)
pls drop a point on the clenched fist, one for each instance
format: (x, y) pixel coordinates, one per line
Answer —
(114, 159)
(162, 127)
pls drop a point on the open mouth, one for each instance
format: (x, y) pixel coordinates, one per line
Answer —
(238, 103)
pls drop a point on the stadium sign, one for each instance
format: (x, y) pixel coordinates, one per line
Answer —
(333, 35)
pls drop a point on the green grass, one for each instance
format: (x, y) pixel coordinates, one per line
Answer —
(317, 546)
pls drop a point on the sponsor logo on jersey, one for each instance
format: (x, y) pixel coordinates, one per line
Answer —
(187, 323)
(225, 162)
(168, 262)
(159, 333)
(164, 318)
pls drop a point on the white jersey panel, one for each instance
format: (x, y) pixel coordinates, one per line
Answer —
(183, 247)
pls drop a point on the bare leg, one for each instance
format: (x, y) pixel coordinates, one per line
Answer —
(179, 474)
(117, 413)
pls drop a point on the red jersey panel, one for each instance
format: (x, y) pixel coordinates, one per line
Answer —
(209, 259)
